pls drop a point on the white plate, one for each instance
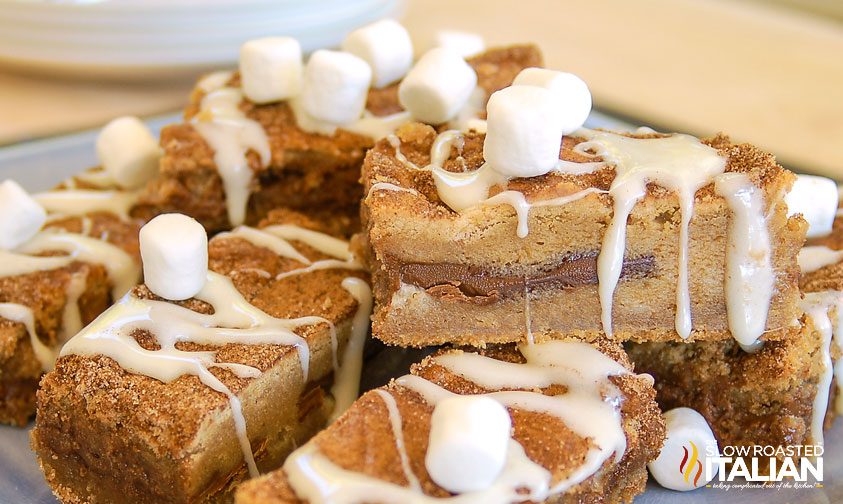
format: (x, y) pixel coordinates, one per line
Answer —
(123, 40)
(41, 164)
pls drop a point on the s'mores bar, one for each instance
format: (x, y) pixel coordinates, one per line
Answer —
(539, 226)
(232, 353)
(280, 134)
(562, 421)
(779, 395)
(61, 267)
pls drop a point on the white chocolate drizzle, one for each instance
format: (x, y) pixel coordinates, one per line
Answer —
(123, 271)
(680, 163)
(398, 431)
(23, 314)
(346, 386)
(825, 309)
(387, 186)
(813, 258)
(82, 201)
(750, 279)
(591, 408)
(231, 135)
(276, 238)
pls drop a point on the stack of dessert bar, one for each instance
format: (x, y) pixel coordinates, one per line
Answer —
(527, 248)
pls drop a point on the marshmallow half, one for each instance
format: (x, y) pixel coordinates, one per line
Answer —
(572, 93)
(21, 217)
(270, 69)
(128, 151)
(336, 85)
(681, 465)
(174, 251)
(466, 44)
(523, 131)
(386, 46)
(469, 439)
(816, 198)
(438, 86)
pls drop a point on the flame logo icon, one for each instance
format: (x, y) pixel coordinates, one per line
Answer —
(686, 467)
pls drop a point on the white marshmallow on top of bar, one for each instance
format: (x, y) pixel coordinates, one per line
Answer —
(336, 85)
(174, 251)
(466, 44)
(128, 151)
(816, 198)
(270, 69)
(21, 217)
(437, 86)
(469, 439)
(386, 46)
(571, 91)
(524, 131)
(687, 434)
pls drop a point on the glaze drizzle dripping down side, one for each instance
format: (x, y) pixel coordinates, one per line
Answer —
(591, 408)
(825, 309)
(231, 135)
(750, 279)
(680, 163)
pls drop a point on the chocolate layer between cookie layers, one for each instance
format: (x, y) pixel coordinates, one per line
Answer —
(439, 273)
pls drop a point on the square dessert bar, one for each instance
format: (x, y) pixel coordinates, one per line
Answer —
(780, 395)
(178, 401)
(311, 172)
(525, 263)
(381, 449)
(52, 286)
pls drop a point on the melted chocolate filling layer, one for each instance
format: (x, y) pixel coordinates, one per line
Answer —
(480, 285)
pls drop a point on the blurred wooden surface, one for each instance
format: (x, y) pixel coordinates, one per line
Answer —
(761, 72)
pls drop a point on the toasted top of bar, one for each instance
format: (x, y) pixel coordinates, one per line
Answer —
(382, 164)
(363, 440)
(143, 404)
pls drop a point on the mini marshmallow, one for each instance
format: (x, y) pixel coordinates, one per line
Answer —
(469, 439)
(523, 131)
(686, 429)
(571, 91)
(128, 151)
(174, 251)
(816, 199)
(336, 85)
(20, 216)
(270, 69)
(386, 46)
(438, 86)
(466, 44)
